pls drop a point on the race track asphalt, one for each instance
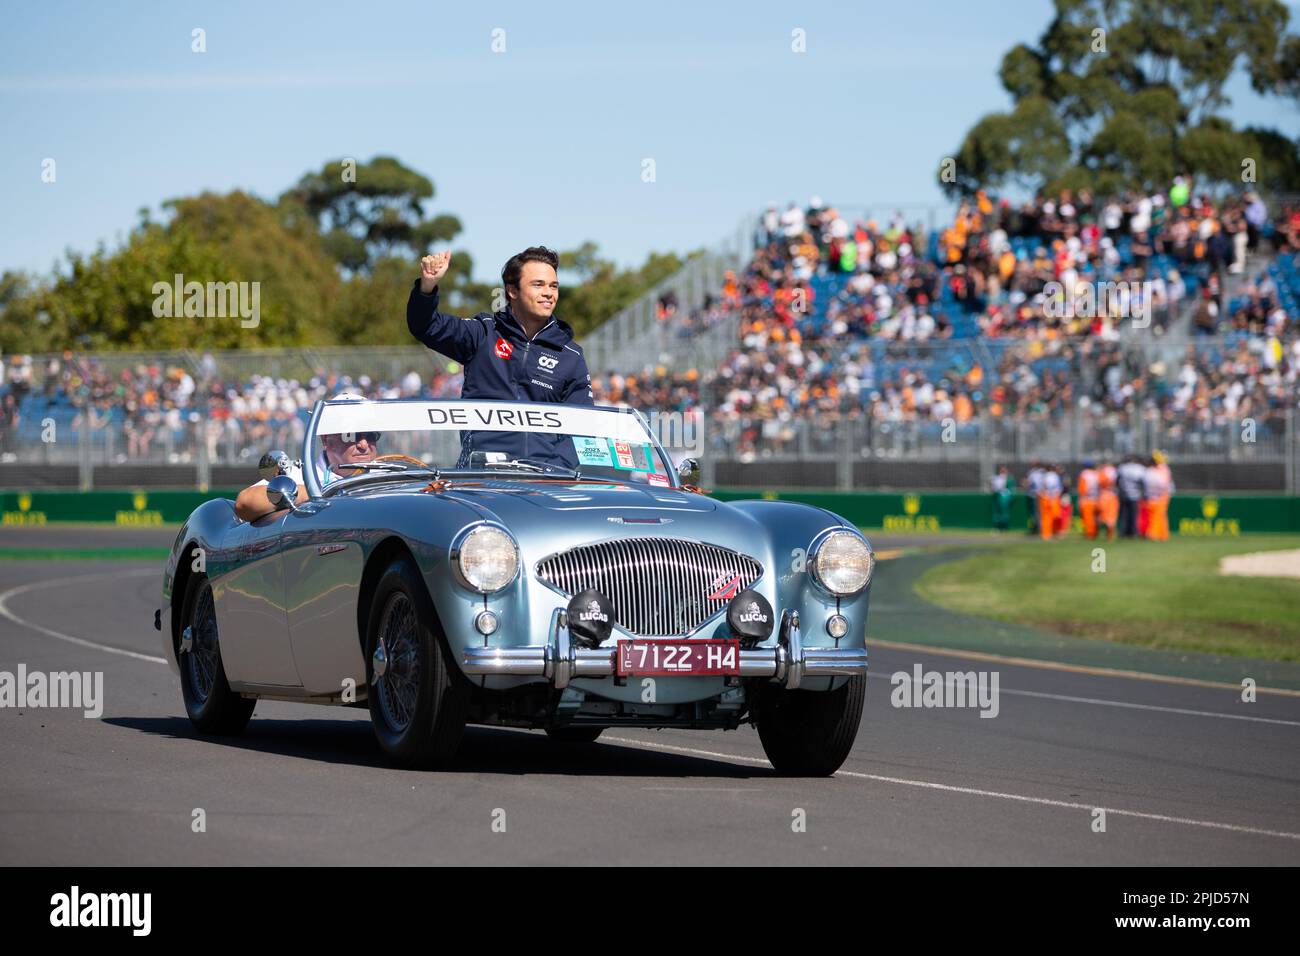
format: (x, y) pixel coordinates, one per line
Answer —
(1187, 773)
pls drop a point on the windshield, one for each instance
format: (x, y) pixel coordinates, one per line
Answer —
(349, 439)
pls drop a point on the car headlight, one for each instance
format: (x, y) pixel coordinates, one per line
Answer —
(488, 559)
(843, 563)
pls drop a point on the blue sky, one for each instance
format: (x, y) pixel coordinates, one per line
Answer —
(540, 144)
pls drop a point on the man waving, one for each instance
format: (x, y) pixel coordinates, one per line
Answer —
(522, 353)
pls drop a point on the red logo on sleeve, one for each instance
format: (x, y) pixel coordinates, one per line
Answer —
(504, 348)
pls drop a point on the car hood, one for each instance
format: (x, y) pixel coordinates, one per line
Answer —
(583, 511)
(547, 516)
(524, 497)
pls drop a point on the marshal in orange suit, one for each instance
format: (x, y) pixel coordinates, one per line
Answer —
(1108, 498)
(1089, 487)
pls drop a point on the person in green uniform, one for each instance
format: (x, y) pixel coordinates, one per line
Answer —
(1004, 488)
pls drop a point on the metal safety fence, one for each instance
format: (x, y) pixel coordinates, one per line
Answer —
(932, 415)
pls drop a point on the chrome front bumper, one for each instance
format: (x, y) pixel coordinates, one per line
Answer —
(561, 660)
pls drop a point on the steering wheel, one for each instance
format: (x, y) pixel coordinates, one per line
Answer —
(405, 458)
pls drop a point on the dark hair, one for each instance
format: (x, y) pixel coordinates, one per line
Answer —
(514, 267)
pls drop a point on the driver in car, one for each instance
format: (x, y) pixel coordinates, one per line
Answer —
(337, 452)
(522, 353)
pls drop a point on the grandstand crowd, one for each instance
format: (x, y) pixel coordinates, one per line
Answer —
(895, 328)
(155, 404)
(850, 319)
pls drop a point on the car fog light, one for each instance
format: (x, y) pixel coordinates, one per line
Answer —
(837, 626)
(590, 617)
(486, 622)
(750, 617)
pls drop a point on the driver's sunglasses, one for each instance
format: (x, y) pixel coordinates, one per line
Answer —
(371, 437)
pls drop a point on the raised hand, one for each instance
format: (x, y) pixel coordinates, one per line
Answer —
(432, 269)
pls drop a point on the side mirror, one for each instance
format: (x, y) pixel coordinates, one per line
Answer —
(273, 463)
(282, 492)
(688, 471)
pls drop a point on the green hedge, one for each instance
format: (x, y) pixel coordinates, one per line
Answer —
(125, 508)
(1198, 515)
(920, 512)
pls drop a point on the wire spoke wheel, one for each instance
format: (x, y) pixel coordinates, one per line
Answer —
(417, 707)
(213, 708)
(399, 685)
(202, 660)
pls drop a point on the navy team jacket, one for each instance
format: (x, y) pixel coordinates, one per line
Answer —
(501, 362)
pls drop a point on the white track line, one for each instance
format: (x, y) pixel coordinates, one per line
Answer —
(1168, 710)
(1119, 703)
(79, 641)
(972, 791)
(38, 585)
(1070, 668)
(901, 781)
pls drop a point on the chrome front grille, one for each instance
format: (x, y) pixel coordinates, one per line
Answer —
(659, 587)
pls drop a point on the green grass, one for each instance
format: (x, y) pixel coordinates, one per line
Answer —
(1160, 595)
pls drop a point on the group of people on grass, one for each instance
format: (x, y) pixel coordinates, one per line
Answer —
(1130, 498)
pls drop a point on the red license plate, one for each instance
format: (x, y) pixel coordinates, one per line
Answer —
(667, 658)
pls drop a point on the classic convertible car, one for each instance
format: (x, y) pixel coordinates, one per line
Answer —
(518, 592)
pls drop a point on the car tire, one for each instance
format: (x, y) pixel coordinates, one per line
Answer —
(419, 704)
(574, 735)
(213, 708)
(808, 733)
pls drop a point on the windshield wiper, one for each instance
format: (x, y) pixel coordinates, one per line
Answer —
(547, 467)
(530, 465)
(519, 465)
